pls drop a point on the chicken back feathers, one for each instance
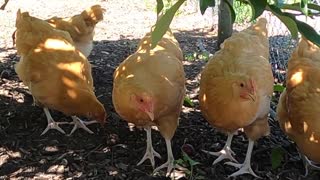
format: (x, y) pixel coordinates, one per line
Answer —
(81, 27)
(58, 76)
(298, 111)
(242, 65)
(157, 73)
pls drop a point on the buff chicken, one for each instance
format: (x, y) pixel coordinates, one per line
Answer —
(148, 90)
(235, 90)
(56, 73)
(298, 109)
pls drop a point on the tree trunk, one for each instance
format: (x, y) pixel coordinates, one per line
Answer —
(224, 22)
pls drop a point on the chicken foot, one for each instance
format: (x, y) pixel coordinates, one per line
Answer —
(225, 153)
(308, 164)
(150, 152)
(244, 168)
(78, 123)
(51, 123)
(170, 162)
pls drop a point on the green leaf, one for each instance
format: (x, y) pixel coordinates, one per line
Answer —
(159, 6)
(296, 7)
(179, 161)
(188, 101)
(278, 88)
(287, 20)
(233, 13)
(163, 23)
(314, 6)
(276, 157)
(187, 158)
(308, 32)
(204, 4)
(257, 7)
(304, 6)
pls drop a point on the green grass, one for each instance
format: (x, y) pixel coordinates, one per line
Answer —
(194, 56)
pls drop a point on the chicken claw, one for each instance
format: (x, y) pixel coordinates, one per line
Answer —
(170, 162)
(308, 164)
(51, 123)
(244, 168)
(78, 123)
(150, 152)
(225, 153)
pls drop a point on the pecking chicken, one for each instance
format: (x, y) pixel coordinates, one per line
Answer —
(148, 90)
(80, 27)
(56, 73)
(298, 109)
(235, 90)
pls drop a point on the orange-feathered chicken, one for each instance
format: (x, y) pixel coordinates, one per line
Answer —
(148, 90)
(299, 105)
(80, 27)
(56, 73)
(235, 90)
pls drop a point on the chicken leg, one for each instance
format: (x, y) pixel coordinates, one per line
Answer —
(246, 166)
(150, 152)
(51, 123)
(308, 164)
(225, 153)
(170, 162)
(78, 123)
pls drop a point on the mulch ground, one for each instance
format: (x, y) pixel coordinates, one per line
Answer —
(114, 150)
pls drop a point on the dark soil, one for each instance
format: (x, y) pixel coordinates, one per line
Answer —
(114, 150)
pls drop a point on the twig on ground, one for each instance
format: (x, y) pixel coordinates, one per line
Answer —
(4, 5)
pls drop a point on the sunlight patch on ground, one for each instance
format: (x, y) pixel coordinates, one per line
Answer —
(11, 89)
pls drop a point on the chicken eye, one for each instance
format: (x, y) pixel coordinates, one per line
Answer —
(241, 85)
(141, 100)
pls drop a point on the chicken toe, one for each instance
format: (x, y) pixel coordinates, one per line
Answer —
(150, 152)
(78, 123)
(225, 153)
(170, 162)
(308, 164)
(51, 123)
(244, 168)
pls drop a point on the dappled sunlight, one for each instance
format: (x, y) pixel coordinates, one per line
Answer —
(296, 78)
(305, 126)
(139, 59)
(5, 155)
(57, 169)
(72, 93)
(113, 172)
(166, 78)
(54, 44)
(204, 97)
(54, 172)
(69, 82)
(313, 138)
(76, 67)
(129, 76)
(57, 44)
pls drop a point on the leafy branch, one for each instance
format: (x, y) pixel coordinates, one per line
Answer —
(285, 12)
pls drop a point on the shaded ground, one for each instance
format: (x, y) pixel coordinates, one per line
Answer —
(113, 151)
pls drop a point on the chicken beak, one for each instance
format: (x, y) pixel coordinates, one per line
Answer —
(151, 115)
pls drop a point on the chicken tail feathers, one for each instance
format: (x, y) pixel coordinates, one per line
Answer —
(20, 17)
(93, 15)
